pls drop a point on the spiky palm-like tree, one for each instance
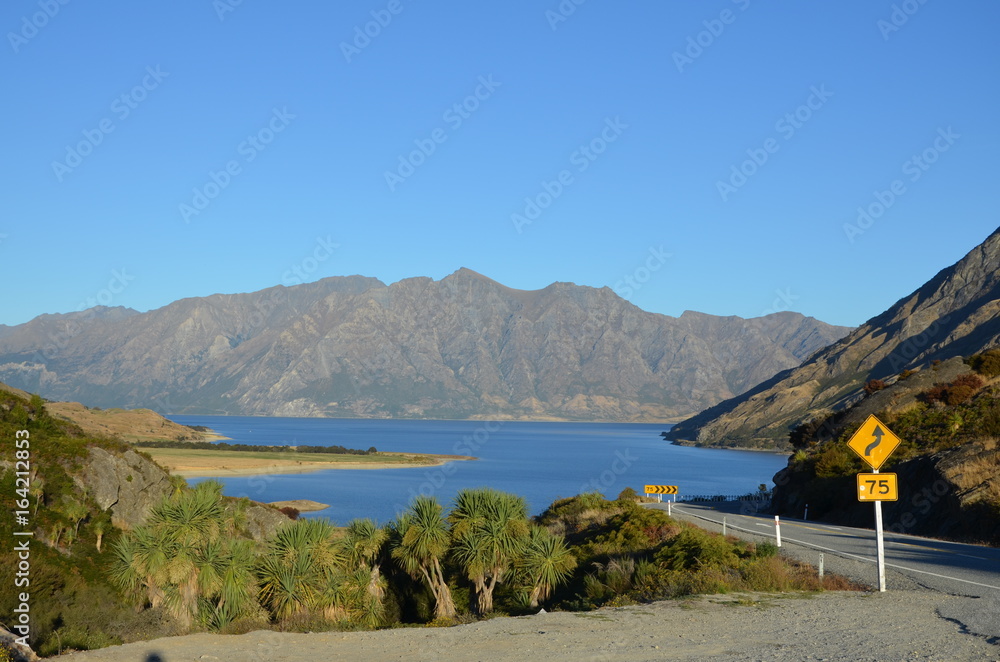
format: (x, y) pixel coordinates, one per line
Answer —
(189, 523)
(362, 545)
(190, 518)
(297, 570)
(363, 582)
(546, 562)
(139, 566)
(100, 526)
(420, 542)
(181, 561)
(490, 529)
(228, 581)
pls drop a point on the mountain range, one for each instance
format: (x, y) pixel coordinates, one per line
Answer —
(464, 346)
(955, 314)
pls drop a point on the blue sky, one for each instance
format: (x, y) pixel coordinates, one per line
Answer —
(690, 155)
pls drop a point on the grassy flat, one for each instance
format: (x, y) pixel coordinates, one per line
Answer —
(197, 462)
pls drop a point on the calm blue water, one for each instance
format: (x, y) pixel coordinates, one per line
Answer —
(540, 461)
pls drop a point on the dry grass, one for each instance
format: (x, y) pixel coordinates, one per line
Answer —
(127, 424)
(779, 574)
(983, 470)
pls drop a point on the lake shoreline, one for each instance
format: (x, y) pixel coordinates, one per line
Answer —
(198, 464)
(540, 461)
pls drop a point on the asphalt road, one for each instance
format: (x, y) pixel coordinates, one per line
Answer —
(912, 563)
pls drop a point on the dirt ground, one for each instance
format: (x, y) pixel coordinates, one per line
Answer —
(901, 625)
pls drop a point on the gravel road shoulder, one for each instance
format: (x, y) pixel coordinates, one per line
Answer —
(902, 625)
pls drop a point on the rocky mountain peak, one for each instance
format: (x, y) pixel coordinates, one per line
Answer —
(956, 313)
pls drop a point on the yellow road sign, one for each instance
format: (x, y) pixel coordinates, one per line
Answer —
(877, 487)
(661, 489)
(874, 442)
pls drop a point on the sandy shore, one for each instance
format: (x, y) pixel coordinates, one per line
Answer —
(196, 463)
(301, 505)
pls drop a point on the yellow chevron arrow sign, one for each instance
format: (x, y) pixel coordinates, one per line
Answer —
(661, 489)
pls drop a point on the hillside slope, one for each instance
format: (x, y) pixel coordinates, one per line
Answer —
(461, 347)
(956, 313)
(948, 462)
(80, 493)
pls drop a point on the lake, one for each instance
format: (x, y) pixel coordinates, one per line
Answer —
(539, 461)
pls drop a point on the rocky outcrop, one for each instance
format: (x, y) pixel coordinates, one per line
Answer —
(957, 313)
(17, 652)
(461, 347)
(129, 484)
(263, 520)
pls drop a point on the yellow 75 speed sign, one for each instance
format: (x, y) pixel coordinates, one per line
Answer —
(877, 487)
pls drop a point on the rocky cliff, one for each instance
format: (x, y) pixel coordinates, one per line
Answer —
(956, 313)
(461, 347)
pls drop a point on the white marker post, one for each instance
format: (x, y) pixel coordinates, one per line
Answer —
(777, 530)
(879, 544)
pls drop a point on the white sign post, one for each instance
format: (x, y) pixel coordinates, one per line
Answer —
(874, 442)
(879, 544)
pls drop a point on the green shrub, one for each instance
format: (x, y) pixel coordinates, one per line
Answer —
(836, 459)
(693, 548)
(766, 574)
(628, 494)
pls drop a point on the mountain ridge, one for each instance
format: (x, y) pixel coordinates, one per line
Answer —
(464, 346)
(955, 313)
